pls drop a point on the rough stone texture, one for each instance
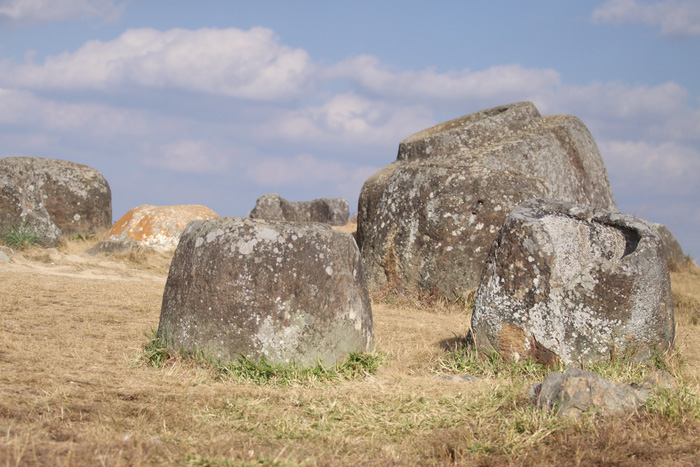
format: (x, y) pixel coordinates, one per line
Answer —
(426, 221)
(53, 197)
(115, 247)
(672, 250)
(576, 392)
(334, 211)
(279, 290)
(458, 378)
(564, 282)
(7, 251)
(158, 227)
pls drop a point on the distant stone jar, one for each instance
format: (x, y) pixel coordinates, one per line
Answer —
(157, 227)
(286, 292)
(572, 284)
(425, 222)
(53, 198)
(272, 207)
(677, 260)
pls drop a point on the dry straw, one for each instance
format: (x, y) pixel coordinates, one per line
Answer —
(75, 390)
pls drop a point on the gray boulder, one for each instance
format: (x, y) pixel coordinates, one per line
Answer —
(279, 290)
(53, 197)
(426, 221)
(573, 284)
(672, 251)
(334, 211)
(111, 247)
(575, 392)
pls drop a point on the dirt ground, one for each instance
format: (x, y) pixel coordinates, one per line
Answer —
(75, 390)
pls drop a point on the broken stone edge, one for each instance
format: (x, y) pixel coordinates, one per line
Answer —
(639, 235)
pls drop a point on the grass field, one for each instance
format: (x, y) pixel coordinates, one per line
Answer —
(76, 388)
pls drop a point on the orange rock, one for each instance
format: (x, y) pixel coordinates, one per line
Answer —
(158, 227)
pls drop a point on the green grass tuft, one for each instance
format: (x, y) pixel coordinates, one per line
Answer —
(360, 365)
(355, 366)
(20, 237)
(680, 404)
(463, 358)
(155, 351)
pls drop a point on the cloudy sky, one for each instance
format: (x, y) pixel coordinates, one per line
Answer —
(221, 102)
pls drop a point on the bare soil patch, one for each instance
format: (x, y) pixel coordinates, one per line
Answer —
(75, 390)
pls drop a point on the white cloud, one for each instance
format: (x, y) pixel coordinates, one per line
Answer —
(189, 156)
(305, 169)
(660, 112)
(28, 12)
(621, 101)
(20, 143)
(301, 169)
(89, 120)
(504, 82)
(614, 110)
(229, 62)
(674, 17)
(350, 119)
(668, 164)
(664, 107)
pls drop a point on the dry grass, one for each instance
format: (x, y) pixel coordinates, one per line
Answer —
(350, 227)
(75, 390)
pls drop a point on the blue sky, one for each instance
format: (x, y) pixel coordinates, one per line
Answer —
(221, 102)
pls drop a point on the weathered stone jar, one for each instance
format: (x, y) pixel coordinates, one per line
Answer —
(288, 292)
(426, 221)
(574, 284)
(53, 197)
(272, 207)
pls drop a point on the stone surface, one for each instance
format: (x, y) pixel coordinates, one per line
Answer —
(279, 290)
(53, 197)
(426, 221)
(157, 227)
(672, 250)
(115, 247)
(575, 392)
(659, 379)
(334, 211)
(458, 378)
(564, 282)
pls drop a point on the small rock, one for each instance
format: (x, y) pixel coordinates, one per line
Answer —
(660, 379)
(576, 392)
(114, 247)
(458, 378)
